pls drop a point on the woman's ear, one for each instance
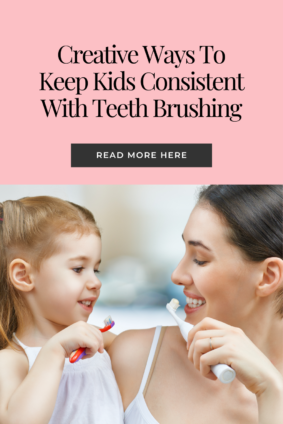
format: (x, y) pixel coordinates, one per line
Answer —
(19, 272)
(272, 277)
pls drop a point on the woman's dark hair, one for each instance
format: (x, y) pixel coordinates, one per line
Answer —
(254, 214)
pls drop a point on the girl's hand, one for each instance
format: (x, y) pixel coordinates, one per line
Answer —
(212, 342)
(75, 336)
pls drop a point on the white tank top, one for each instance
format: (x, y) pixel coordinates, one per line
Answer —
(88, 392)
(138, 412)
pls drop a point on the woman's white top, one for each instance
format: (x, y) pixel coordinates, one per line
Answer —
(138, 412)
(88, 392)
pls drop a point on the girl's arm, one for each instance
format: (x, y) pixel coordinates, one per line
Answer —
(212, 342)
(29, 397)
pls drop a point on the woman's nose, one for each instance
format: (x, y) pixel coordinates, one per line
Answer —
(181, 275)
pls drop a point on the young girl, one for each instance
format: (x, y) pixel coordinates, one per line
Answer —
(49, 258)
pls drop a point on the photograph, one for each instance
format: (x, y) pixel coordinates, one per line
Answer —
(91, 281)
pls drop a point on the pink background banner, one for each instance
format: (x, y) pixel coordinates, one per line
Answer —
(36, 149)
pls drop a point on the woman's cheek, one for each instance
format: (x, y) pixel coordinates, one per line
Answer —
(210, 281)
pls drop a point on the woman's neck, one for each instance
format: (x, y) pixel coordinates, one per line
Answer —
(265, 328)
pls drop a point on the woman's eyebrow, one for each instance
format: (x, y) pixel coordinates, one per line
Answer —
(197, 243)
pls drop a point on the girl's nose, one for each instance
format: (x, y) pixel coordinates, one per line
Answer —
(181, 275)
(94, 283)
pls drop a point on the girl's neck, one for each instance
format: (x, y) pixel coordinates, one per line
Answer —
(37, 330)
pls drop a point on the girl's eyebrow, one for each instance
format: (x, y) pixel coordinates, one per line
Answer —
(82, 258)
(197, 243)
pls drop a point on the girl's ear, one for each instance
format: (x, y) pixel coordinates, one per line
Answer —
(19, 272)
(272, 277)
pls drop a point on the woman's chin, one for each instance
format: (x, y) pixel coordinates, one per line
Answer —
(196, 314)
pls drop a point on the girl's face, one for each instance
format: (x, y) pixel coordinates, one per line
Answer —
(66, 285)
(217, 281)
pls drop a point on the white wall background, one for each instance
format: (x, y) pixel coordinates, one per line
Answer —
(136, 220)
(143, 223)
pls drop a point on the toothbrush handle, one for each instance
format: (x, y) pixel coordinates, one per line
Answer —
(224, 373)
(77, 355)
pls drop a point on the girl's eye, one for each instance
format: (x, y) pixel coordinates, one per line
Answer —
(199, 262)
(96, 271)
(78, 270)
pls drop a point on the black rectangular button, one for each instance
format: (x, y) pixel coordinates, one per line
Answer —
(141, 155)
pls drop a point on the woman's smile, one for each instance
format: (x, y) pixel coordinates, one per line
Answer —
(194, 302)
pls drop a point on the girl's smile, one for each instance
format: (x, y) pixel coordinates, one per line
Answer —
(88, 304)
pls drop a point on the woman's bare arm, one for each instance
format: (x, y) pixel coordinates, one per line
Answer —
(270, 402)
(129, 354)
(108, 339)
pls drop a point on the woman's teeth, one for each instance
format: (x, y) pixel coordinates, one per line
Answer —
(86, 302)
(194, 303)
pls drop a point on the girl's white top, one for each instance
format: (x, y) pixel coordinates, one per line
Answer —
(88, 392)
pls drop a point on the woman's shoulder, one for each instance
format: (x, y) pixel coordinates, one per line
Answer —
(129, 353)
(132, 336)
(134, 344)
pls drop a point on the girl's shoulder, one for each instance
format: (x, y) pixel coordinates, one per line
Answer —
(13, 358)
(13, 369)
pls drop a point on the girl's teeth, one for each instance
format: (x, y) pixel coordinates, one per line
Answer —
(86, 302)
(193, 303)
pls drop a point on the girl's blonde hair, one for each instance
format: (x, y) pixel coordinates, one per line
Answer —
(28, 230)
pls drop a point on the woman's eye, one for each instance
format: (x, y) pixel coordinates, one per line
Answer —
(78, 270)
(199, 262)
(96, 271)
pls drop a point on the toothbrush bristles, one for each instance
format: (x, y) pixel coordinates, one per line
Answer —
(108, 321)
(174, 304)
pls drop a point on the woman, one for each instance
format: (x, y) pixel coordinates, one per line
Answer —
(232, 274)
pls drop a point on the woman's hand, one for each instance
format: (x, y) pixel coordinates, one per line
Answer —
(212, 342)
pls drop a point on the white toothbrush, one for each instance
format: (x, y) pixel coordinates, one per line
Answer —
(225, 373)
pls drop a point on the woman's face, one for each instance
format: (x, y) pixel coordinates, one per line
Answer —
(217, 281)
